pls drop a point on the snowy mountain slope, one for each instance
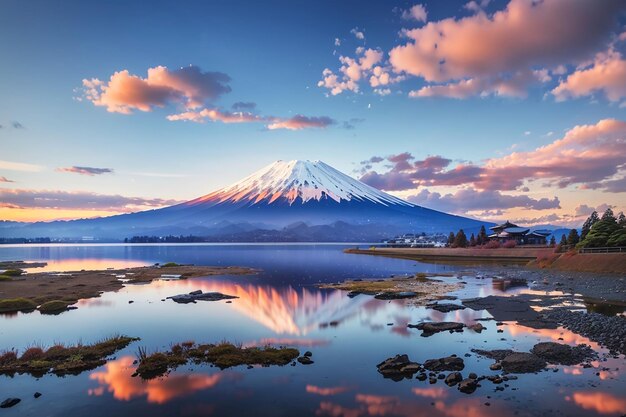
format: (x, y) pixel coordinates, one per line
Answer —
(298, 181)
(279, 195)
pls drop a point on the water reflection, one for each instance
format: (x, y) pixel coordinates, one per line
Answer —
(116, 378)
(600, 402)
(326, 391)
(379, 405)
(284, 310)
(88, 264)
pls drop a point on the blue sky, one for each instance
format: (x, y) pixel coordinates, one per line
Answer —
(274, 52)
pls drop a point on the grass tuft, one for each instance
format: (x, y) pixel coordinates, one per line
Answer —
(11, 305)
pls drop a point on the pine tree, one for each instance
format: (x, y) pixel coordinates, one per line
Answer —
(482, 236)
(591, 220)
(451, 239)
(621, 219)
(472, 241)
(608, 216)
(552, 241)
(563, 241)
(460, 241)
(573, 238)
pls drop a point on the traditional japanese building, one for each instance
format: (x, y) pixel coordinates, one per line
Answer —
(521, 235)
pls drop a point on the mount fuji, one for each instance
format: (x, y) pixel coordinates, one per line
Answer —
(285, 201)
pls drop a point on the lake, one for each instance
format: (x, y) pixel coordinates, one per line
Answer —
(281, 305)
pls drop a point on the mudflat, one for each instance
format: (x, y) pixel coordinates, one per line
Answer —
(69, 287)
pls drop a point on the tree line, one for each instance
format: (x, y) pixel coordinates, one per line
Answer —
(605, 231)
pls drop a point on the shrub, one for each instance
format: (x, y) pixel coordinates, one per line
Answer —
(32, 353)
(8, 357)
(169, 264)
(492, 244)
(13, 272)
(509, 244)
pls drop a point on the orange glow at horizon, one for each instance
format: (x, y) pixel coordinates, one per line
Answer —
(45, 214)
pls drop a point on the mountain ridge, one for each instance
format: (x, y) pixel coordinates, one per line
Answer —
(281, 194)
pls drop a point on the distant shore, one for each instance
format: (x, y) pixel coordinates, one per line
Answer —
(27, 292)
(543, 258)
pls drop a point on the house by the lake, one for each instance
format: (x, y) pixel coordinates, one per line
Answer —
(521, 235)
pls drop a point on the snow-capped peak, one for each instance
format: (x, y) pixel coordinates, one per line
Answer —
(302, 181)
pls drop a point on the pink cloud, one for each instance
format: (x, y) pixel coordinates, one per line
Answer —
(77, 200)
(300, 122)
(606, 75)
(588, 156)
(488, 54)
(91, 171)
(367, 65)
(525, 34)
(215, 115)
(470, 200)
(417, 13)
(125, 92)
(515, 85)
(297, 122)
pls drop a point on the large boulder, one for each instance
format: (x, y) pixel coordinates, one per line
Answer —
(398, 368)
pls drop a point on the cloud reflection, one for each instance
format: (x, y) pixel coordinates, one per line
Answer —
(116, 378)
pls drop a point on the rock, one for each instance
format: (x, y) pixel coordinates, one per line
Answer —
(495, 366)
(472, 375)
(446, 308)
(198, 295)
(521, 362)
(561, 354)
(37, 395)
(305, 360)
(430, 328)
(450, 363)
(497, 354)
(398, 368)
(478, 327)
(432, 380)
(453, 378)
(422, 376)
(308, 354)
(9, 402)
(396, 295)
(468, 386)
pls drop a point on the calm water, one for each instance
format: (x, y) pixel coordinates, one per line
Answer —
(281, 306)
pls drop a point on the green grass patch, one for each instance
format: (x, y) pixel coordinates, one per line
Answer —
(11, 305)
(13, 272)
(53, 307)
(170, 264)
(223, 355)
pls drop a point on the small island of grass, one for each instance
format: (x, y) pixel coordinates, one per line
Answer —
(60, 359)
(223, 355)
